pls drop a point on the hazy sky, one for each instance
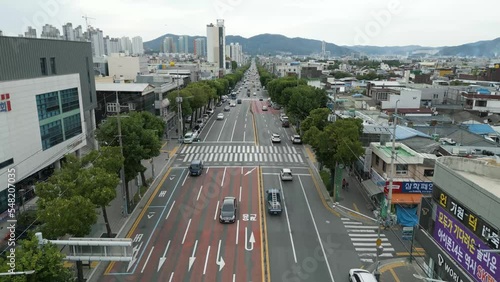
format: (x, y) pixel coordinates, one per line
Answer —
(352, 22)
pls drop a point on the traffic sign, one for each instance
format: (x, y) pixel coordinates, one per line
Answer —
(378, 242)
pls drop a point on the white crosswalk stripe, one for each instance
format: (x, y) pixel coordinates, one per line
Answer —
(364, 237)
(241, 153)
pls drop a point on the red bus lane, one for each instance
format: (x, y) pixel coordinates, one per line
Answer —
(192, 211)
(199, 234)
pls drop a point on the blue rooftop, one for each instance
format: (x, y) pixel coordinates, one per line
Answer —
(481, 129)
(404, 132)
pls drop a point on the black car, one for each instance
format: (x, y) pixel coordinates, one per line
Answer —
(228, 210)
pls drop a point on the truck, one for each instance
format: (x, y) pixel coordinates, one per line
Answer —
(274, 201)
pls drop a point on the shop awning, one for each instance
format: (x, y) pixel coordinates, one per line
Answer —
(371, 188)
(406, 198)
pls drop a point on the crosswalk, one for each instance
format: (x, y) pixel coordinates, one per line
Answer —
(364, 237)
(241, 154)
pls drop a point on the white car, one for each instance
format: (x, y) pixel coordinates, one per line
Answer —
(275, 138)
(232, 104)
(210, 111)
(283, 117)
(363, 275)
(220, 116)
(189, 137)
(286, 174)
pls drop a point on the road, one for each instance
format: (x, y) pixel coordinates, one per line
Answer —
(177, 237)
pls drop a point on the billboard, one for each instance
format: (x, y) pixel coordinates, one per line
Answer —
(465, 248)
(409, 187)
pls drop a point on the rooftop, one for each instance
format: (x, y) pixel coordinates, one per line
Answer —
(124, 87)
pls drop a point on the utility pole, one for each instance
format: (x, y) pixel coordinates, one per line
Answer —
(393, 157)
(122, 170)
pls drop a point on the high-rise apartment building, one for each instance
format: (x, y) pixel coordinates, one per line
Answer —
(216, 44)
(183, 44)
(126, 45)
(1, 33)
(78, 33)
(97, 41)
(30, 32)
(235, 52)
(50, 32)
(169, 45)
(137, 46)
(200, 47)
(68, 33)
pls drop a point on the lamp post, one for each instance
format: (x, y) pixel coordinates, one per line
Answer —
(122, 170)
(393, 157)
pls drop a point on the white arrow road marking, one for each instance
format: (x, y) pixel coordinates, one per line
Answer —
(206, 261)
(151, 214)
(220, 261)
(164, 257)
(250, 171)
(192, 258)
(251, 240)
(147, 259)
(135, 251)
(172, 177)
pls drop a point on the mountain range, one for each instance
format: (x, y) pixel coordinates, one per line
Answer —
(273, 44)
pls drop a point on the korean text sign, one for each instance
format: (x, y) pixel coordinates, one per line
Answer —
(465, 248)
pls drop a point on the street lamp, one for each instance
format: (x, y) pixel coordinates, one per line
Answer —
(393, 156)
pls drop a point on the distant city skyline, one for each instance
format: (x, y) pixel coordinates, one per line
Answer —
(384, 23)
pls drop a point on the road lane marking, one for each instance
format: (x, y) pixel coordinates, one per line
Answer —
(213, 123)
(219, 260)
(171, 277)
(199, 192)
(185, 178)
(192, 258)
(355, 207)
(266, 268)
(288, 221)
(396, 278)
(147, 259)
(185, 232)
(141, 215)
(207, 169)
(216, 210)
(241, 167)
(234, 128)
(239, 197)
(223, 177)
(222, 129)
(234, 277)
(317, 232)
(321, 196)
(206, 261)
(244, 134)
(237, 230)
(250, 171)
(164, 257)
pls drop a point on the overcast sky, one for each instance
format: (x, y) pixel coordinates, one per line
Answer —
(352, 22)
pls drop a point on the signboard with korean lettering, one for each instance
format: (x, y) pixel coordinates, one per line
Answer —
(465, 247)
(473, 222)
(417, 187)
(5, 105)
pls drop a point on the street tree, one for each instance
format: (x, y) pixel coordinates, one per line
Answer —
(186, 107)
(276, 86)
(317, 118)
(303, 99)
(46, 260)
(336, 143)
(140, 138)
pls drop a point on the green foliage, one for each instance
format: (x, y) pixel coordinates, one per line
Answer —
(369, 76)
(317, 118)
(46, 260)
(234, 65)
(140, 137)
(337, 142)
(341, 74)
(276, 88)
(326, 178)
(303, 99)
(264, 76)
(61, 216)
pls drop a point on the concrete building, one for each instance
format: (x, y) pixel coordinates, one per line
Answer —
(235, 52)
(50, 32)
(459, 226)
(126, 45)
(216, 44)
(126, 68)
(68, 32)
(183, 43)
(485, 103)
(97, 40)
(30, 32)
(408, 99)
(78, 31)
(200, 47)
(46, 107)
(137, 46)
(169, 45)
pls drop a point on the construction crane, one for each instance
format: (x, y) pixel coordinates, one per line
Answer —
(87, 24)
